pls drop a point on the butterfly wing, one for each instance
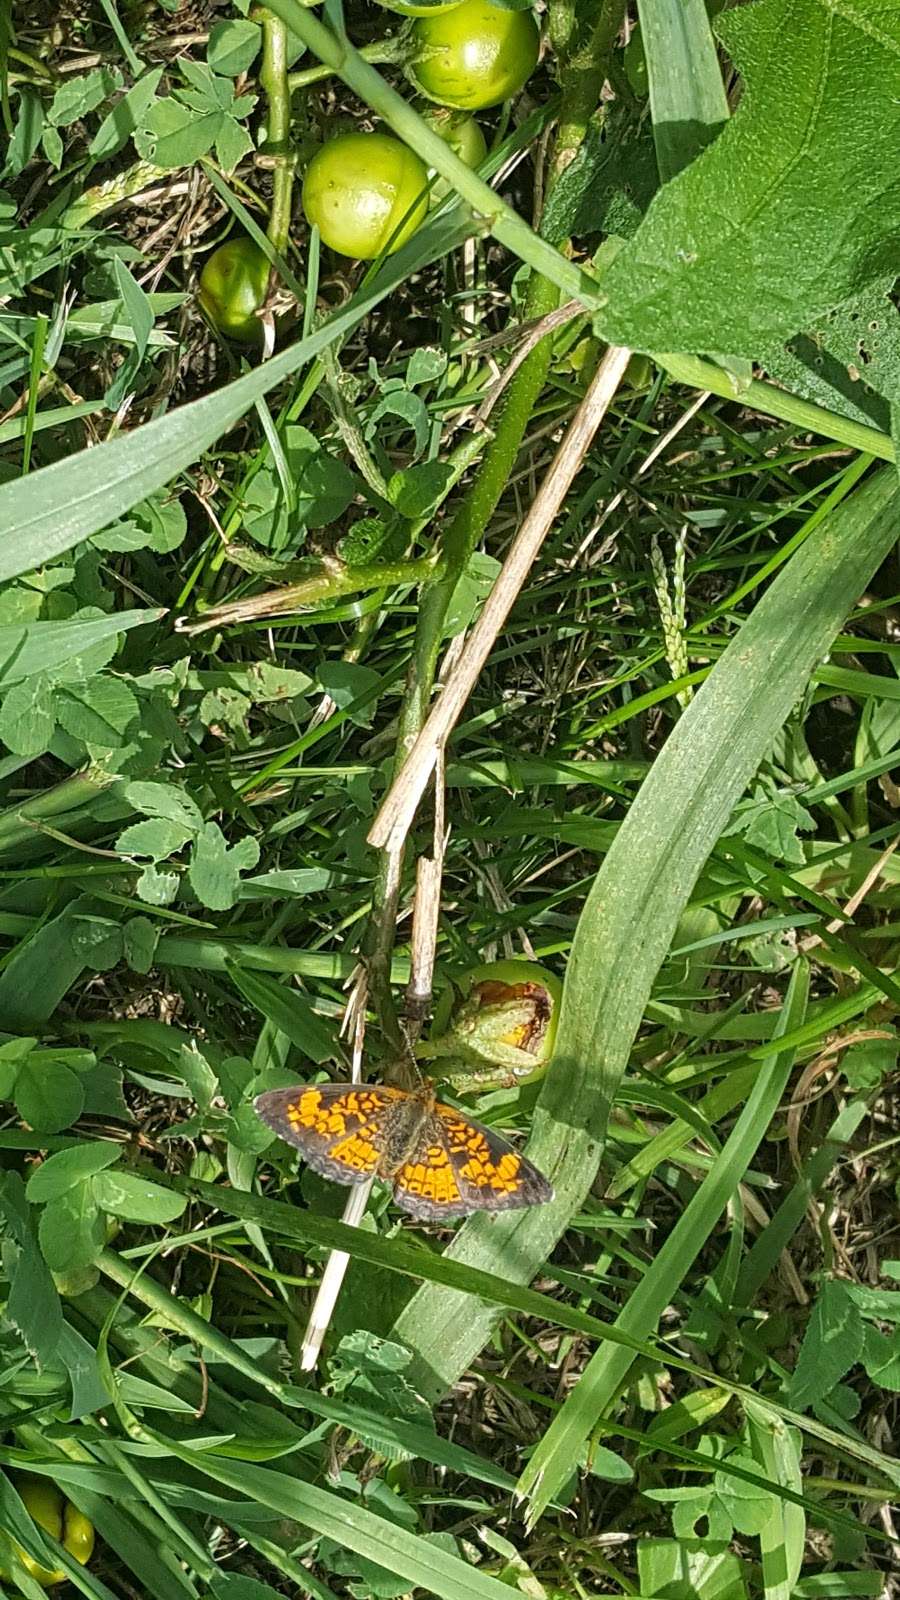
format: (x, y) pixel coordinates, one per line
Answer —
(461, 1167)
(340, 1129)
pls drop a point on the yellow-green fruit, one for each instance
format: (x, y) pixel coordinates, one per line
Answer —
(233, 286)
(474, 56)
(78, 1534)
(366, 193)
(60, 1518)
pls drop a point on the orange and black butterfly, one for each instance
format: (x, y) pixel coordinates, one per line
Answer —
(438, 1162)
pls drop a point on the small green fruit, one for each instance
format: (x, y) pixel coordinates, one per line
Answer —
(233, 286)
(474, 56)
(366, 193)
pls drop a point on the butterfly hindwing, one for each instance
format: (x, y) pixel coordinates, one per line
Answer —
(462, 1167)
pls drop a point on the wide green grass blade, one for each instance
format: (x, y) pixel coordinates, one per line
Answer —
(687, 100)
(32, 647)
(411, 1556)
(559, 1452)
(631, 914)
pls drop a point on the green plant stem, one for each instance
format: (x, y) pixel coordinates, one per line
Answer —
(500, 219)
(765, 397)
(273, 78)
(70, 795)
(463, 533)
(329, 583)
(581, 89)
(386, 52)
(349, 428)
(582, 71)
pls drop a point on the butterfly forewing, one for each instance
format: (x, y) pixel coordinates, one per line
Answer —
(340, 1129)
(441, 1164)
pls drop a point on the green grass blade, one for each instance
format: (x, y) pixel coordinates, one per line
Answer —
(425, 1565)
(631, 914)
(687, 100)
(32, 647)
(781, 1541)
(762, 1257)
(559, 1452)
(664, 1146)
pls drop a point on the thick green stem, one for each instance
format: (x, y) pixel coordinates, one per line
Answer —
(764, 397)
(331, 582)
(583, 66)
(582, 79)
(273, 78)
(71, 795)
(387, 52)
(474, 513)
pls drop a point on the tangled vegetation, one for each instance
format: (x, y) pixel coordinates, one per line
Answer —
(449, 623)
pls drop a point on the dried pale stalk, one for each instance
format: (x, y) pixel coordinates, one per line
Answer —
(399, 806)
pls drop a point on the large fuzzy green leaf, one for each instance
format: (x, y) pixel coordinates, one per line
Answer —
(797, 204)
(630, 916)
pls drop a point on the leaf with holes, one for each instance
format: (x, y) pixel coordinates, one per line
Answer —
(770, 227)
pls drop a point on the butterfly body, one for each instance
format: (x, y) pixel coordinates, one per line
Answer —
(438, 1161)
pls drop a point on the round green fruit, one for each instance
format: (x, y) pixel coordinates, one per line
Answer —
(233, 286)
(474, 56)
(366, 193)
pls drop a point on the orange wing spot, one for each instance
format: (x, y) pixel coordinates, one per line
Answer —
(311, 1111)
(501, 1176)
(355, 1152)
(435, 1183)
(508, 1166)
